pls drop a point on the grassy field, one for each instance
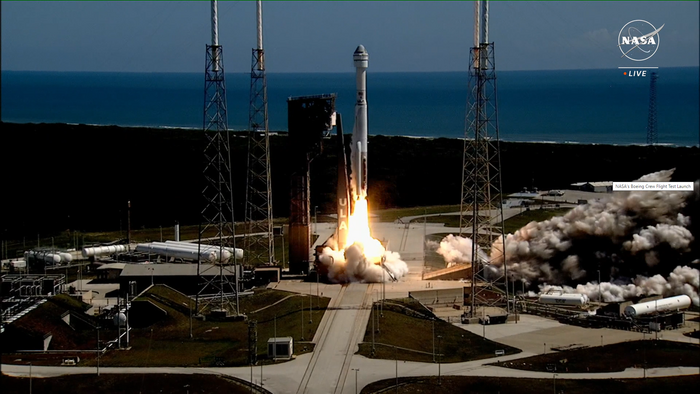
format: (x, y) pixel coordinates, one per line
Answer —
(122, 384)
(613, 358)
(167, 343)
(478, 385)
(389, 215)
(406, 325)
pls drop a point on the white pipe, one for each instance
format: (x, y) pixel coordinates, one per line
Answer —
(477, 21)
(214, 36)
(259, 14)
(102, 250)
(208, 248)
(214, 23)
(485, 23)
(185, 254)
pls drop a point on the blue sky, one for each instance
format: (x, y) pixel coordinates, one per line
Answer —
(321, 36)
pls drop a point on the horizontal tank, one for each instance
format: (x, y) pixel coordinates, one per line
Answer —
(103, 250)
(177, 252)
(66, 257)
(662, 305)
(564, 299)
(239, 252)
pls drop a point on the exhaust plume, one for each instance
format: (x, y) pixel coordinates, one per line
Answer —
(639, 242)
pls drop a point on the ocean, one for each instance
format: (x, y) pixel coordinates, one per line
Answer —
(575, 106)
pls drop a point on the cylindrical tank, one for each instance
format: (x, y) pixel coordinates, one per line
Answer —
(66, 257)
(175, 251)
(662, 305)
(120, 319)
(564, 299)
(189, 245)
(103, 250)
(51, 258)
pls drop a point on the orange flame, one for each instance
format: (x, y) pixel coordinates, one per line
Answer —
(359, 233)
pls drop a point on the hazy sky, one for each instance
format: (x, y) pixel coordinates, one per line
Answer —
(299, 36)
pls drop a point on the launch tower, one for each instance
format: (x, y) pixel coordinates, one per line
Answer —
(217, 215)
(481, 214)
(259, 239)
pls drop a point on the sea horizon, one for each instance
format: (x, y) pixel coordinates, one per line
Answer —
(557, 106)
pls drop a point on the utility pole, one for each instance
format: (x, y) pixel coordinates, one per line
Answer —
(439, 358)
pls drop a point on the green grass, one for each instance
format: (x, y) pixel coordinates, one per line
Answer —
(168, 344)
(615, 357)
(133, 383)
(389, 215)
(407, 326)
(488, 385)
(537, 215)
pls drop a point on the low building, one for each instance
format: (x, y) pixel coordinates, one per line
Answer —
(181, 277)
(280, 348)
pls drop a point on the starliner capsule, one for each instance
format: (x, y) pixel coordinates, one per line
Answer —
(359, 135)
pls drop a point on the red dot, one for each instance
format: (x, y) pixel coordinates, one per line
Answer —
(625, 72)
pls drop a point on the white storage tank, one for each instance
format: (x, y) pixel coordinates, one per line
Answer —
(177, 252)
(662, 305)
(214, 248)
(102, 250)
(66, 257)
(564, 299)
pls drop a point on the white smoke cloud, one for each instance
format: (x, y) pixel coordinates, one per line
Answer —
(458, 250)
(351, 265)
(627, 233)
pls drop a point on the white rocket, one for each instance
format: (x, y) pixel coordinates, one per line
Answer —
(359, 134)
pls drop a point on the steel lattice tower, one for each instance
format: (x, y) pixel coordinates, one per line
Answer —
(481, 207)
(259, 239)
(217, 215)
(652, 134)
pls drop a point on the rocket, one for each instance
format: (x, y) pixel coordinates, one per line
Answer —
(358, 158)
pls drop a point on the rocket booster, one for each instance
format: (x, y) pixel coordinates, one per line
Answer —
(359, 134)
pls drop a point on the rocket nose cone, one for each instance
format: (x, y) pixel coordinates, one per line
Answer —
(360, 49)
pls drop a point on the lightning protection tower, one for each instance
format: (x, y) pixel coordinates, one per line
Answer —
(259, 239)
(217, 216)
(481, 214)
(652, 135)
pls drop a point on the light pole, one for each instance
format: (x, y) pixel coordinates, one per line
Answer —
(383, 286)
(396, 360)
(30, 378)
(439, 358)
(190, 306)
(98, 351)
(356, 371)
(302, 317)
(315, 220)
(433, 319)
(311, 303)
(544, 348)
(601, 341)
(151, 269)
(554, 380)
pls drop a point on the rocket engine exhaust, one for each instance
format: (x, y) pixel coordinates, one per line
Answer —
(352, 255)
(635, 243)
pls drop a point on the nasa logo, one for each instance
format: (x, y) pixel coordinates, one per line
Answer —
(639, 40)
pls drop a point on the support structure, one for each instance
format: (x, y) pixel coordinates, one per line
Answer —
(652, 134)
(217, 215)
(481, 207)
(310, 118)
(259, 240)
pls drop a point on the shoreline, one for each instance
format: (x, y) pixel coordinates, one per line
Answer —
(80, 177)
(285, 132)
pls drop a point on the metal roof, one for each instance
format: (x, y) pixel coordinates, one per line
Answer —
(169, 269)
